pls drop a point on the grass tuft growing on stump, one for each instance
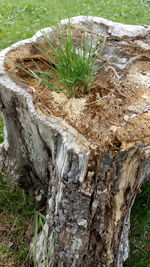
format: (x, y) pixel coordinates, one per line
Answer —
(71, 67)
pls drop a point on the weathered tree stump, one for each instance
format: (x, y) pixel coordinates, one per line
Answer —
(89, 186)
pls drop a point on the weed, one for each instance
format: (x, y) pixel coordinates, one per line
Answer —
(70, 66)
(40, 221)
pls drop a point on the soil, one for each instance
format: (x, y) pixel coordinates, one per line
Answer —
(114, 110)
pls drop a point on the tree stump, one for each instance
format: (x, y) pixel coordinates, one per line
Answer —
(89, 185)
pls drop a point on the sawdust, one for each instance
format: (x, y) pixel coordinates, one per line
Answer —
(73, 107)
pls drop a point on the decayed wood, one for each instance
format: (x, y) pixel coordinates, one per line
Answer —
(89, 191)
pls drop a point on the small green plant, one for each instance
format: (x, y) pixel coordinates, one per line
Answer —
(70, 66)
(40, 221)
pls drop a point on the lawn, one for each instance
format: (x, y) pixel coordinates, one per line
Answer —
(20, 19)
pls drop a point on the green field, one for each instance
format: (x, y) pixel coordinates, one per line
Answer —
(20, 19)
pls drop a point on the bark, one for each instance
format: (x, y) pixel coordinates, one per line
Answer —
(89, 192)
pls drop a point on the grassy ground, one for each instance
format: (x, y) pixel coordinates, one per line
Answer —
(16, 224)
(20, 19)
(20, 222)
(140, 230)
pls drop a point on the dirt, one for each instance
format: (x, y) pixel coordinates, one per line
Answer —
(114, 109)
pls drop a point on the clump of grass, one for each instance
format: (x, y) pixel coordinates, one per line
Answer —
(71, 67)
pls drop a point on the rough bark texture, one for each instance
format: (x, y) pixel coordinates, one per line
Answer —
(89, 194)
